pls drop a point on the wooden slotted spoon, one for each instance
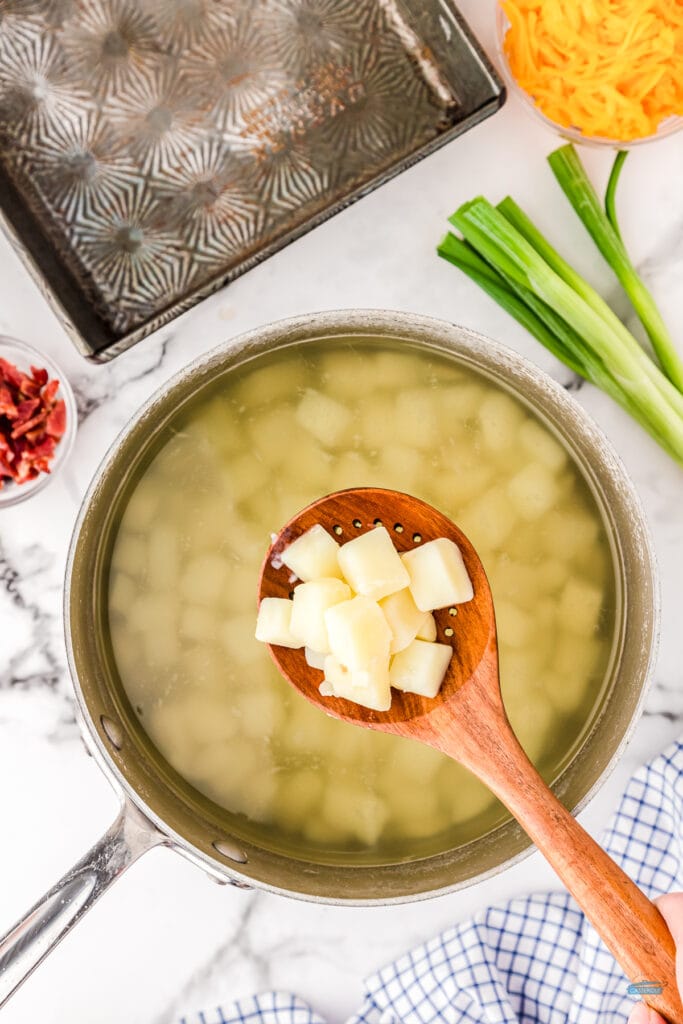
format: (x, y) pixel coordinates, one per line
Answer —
(467, 721)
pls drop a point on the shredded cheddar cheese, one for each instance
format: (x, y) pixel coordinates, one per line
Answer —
(608, 68)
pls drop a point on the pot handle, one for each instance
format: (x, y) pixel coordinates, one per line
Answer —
(47, 922)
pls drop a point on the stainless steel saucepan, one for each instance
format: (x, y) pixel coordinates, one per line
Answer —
(157, 808)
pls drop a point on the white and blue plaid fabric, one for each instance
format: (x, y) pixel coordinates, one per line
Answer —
(534, 960)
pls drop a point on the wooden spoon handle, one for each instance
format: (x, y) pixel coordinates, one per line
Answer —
(630, 925)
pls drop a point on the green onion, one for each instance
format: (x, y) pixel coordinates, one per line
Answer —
(575, 184)
(508, 257)
(560, 339)
(611, 190)
(463, 256)
(516, 216)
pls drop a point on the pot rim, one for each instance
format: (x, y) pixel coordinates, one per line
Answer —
(415, 327)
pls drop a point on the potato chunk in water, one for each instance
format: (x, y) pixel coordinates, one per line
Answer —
(248, 453)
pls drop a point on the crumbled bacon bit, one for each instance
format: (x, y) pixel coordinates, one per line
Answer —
(32, 420)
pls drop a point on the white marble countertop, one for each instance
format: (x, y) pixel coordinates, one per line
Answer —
(167, 940)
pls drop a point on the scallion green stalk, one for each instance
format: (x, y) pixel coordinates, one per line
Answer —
(611, 190)
(621, 363)
(516, 216)
(575, 184)
(463, 256)
(548, 328)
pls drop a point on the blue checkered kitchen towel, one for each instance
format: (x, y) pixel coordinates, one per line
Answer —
(534, 960)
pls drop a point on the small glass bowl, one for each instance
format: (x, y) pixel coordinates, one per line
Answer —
(666, 128)
(24, 356)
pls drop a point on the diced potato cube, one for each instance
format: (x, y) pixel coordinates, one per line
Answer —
(399, 467)
(122, 593)
(204, 665)
(197, 623)
(248, 473)
(161, 649)
(325, 418)
(237, 636)
(551, 574)
(458, 484)
(533, 720)
(438, 576)
(460, 401)
(167, 727)
(404, 618)
(142, 507)
(353, 470)
(163, 557)
(513, 579)
(308, 463)
(427, 630)
(273, 434)
(210, 717)
(373, 692)
(314, 659)
(515, 626)
(371, 565)
(328, 834)
(360, 813)
(539, 443)
(489, 519)
(420, 668)
(344, 372)
(290, 504)
(273, 625)
(311, 601)
(313, 556)
(393, 369)
(130, 555)
(278, 381)
(307, 732)
(533, 490)
(239, 592)
(247, 541)
(204, 578)
(152, 614)
(299, 794)
(358, 633)
(499, 417)
(565, 534)
(261, 713)
(580, 607)
(416, 419)
(376, 422)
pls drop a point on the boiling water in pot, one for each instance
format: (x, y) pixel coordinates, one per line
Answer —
(249, 451)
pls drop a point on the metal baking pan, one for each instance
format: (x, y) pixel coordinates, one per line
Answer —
(152, 150)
